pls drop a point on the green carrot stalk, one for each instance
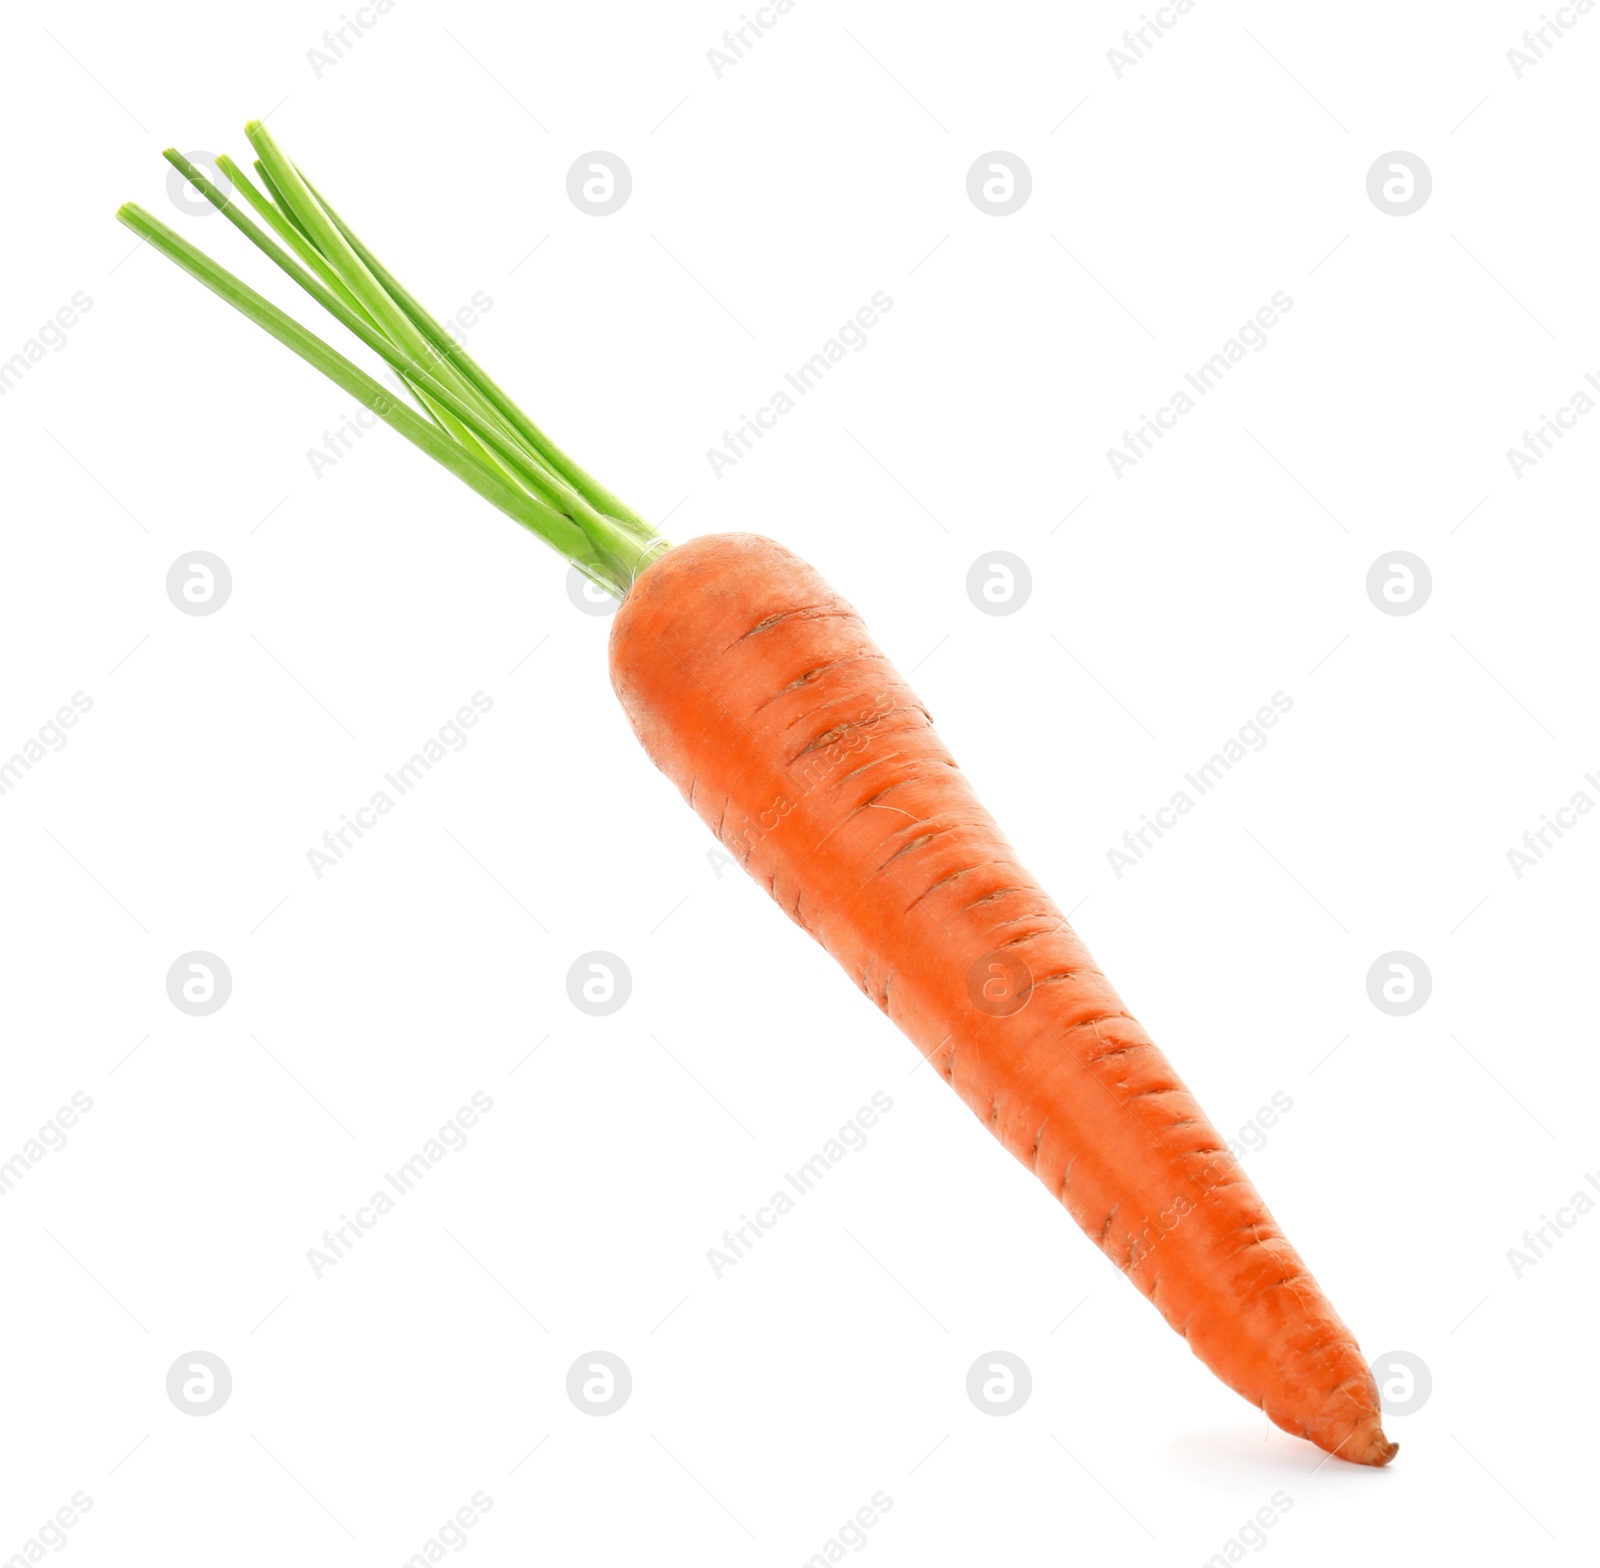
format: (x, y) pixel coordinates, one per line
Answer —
(286, 230)
(464, 421)
(420, 378)
(553, 456)
(610, 556)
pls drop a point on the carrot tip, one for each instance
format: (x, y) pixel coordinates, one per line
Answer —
(1382, 1450)
(1370, 1447)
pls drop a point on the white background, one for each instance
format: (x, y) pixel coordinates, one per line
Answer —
(370, 603)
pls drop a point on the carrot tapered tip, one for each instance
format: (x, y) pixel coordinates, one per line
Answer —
(1368, 1445)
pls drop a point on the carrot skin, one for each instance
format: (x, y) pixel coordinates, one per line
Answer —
(758, 691)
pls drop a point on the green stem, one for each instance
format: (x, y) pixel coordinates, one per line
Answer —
(552, 455)
(613, 562)
(546, 487)
(304, 209)
(289, 232)
(466, 422)
(269, 212)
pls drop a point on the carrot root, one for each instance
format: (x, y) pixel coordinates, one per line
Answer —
(758, 691)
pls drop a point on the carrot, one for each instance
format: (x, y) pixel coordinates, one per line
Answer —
(757, 690)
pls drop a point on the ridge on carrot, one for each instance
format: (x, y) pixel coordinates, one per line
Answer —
(757, 690)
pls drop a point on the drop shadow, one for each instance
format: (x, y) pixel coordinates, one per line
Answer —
(1260, 1452)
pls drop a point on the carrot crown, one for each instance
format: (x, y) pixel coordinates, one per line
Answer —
(458, 416)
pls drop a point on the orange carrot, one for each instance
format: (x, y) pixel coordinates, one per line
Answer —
(755, 688)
